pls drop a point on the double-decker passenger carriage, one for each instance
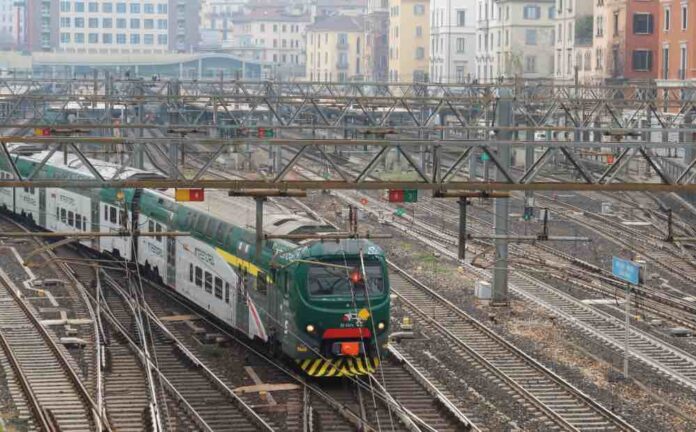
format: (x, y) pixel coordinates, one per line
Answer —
(324, 304)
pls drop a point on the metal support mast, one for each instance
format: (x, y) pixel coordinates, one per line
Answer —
(502, 206)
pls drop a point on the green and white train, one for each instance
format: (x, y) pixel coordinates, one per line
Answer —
(324, 304)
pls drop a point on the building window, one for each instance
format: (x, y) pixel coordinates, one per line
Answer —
(121, 23)
(93, 7)
(79, 7)
(94, 38)
(79, 38)
(149, 24)
(107, 8)
(642, 60)
(419, 31)
(161, 24)
(108, 38)
(121, 39)
(684, 16)
(65, 37)
(461, 18)
(149, 8)
(420, 53)
(162, 8)
(552, 12)
(93, 23)
(642, 23)
(107, 23)
(79, 22)
(530, 64)
(135, 23)
(600, 26)
(532, 12)
(65, 22)
(665, 62)
(667, 18)
(162, 39)
(65, 6)
(530, 37)
(135, 39)
(418, 9)
(683, 62)
(120, 8)
(616, 23)
(135, 8)
(461, 45)
(149, 39)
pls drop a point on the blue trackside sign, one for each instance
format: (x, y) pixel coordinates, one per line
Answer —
(625, 270)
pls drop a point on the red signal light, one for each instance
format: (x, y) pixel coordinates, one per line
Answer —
(356, 276)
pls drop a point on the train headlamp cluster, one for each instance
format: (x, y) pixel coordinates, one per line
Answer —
(381, 325)
(310, 328)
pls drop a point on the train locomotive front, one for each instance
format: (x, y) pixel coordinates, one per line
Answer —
(341, 308)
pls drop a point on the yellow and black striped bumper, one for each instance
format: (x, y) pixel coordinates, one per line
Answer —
(341, 367)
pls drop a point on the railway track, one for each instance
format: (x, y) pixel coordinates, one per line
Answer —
(566, 407)
(42, 368)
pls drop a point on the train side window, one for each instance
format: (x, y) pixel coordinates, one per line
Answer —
(57, 213)
(106, 212)
(63, 216)
(112, 215)
(208, 282)
(78, 221)
(84, 224)
(122, 217)
(199, 277)
(227, 292)
(191, 273)
(212, 228)
(150, 226)
(218, 234)
(71, 218)
(158, 228)
(200, 223)
(261, 285)
(218, 287)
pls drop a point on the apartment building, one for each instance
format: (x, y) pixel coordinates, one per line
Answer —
(105, 26)
(676, 27)
(271, 33)
(377, 40)
(409, 40)
(11, 23)
(626, 41)
(573, 30)
(335, 46)
(452, 40)
(515, 38)
(215, 18)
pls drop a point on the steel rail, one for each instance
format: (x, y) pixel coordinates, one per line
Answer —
(81, 390)
(44, 422)
(600, 409)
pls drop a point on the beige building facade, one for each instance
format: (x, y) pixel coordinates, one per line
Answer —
(409, 40)
(336, 49)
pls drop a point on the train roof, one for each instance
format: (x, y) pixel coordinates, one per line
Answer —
(238, 211)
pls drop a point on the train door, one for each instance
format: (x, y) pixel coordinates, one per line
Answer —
(171, 261)
(275, 298)
(242, 302)
(42, 208)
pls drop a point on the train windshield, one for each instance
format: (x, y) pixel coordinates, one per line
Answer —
(334, 279)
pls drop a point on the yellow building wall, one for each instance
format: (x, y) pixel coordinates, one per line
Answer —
(409, 35)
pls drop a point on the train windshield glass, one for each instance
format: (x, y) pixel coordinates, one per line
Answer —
(334, 279)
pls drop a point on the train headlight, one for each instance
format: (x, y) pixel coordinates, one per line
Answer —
(310, 328)
(381, 326)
